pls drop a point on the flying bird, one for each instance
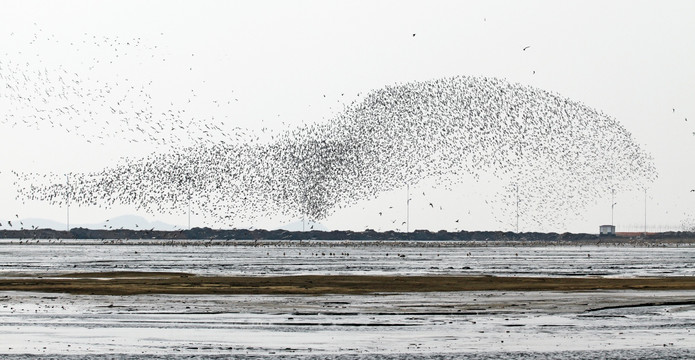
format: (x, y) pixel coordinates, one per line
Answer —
(524, 49)
(315, 169)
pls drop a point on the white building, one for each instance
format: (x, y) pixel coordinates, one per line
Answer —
(606, 230)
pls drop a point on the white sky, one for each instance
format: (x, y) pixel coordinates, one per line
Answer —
(275, 60)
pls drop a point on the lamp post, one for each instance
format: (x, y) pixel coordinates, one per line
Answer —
(407, 209)
(517, 207)
(645, 212)
(612, 204)
(189, 207)
(67, 200)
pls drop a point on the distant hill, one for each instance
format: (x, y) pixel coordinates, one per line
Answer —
(38, 223)
(308, 226)
(132, 222)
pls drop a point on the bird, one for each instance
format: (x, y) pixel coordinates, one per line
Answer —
(413, 34)
(362, 151)
(526, 47)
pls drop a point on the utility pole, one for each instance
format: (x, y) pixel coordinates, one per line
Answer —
(612, 204)
(645, 212)
(516, 186)
(67, 200)
(407, 210)
(189, 206)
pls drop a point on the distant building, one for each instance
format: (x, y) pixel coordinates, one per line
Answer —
(606, 230)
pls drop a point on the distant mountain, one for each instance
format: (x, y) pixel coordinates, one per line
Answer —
(38, 223)
(135, 222)
(132, 222)
(308, 226)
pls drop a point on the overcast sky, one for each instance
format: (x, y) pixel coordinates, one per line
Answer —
(278, 64)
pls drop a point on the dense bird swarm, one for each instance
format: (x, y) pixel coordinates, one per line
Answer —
(556, 154)
(552, 155)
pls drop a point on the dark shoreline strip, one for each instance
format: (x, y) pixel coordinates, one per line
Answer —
(207, 234)
(649, 304)
(132, 283)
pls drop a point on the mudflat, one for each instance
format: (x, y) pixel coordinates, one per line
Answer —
(132, 283)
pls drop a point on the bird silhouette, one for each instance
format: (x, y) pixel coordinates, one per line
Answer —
(436, 129)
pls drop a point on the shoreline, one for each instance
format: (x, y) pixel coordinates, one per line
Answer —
(339, 235)
(137, 283)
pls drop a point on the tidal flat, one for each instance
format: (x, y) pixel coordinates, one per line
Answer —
(345, 301)
(393, 325)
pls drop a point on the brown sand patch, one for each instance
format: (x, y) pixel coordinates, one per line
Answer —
(130, 283)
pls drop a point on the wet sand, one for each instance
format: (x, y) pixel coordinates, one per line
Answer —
(621, 324)
(133, 283)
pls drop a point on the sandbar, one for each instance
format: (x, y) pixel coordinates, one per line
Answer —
(133, 283)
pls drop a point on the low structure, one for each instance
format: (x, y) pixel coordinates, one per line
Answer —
(607, 230)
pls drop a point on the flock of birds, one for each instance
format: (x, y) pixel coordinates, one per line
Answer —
(553, 155)
(95, 99)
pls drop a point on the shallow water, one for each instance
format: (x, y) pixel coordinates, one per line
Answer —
(372, 257)
(474, 325)
(571, 355)
(527, 325)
